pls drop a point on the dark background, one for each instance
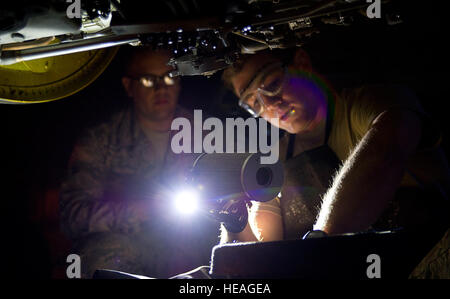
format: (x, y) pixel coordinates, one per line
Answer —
(36, 140)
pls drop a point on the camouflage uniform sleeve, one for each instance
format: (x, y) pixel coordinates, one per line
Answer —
(83, 207)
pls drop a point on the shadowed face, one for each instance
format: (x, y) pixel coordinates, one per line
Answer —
(157, 102)
(295, 100)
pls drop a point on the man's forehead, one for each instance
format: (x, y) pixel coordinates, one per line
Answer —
(243, 79)
(150, 63)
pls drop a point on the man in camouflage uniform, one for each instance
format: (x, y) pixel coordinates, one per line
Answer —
(116, 202)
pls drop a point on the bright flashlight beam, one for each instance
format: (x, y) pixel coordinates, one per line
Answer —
(186, 202)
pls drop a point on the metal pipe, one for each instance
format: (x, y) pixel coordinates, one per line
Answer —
(11, 57)
(29, 44)
(288, 16)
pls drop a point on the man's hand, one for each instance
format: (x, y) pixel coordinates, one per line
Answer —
(369, 177)
(262, 226)
(266, 226)
(244, 236)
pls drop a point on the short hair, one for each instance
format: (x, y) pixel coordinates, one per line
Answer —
(128, 55)
(284, 55)
(232, 70)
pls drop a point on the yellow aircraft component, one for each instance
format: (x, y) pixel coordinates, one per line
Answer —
(52, 78)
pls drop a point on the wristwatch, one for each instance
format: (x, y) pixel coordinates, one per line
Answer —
(312, 234)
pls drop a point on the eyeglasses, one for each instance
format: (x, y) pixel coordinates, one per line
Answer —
(150, 80)
(270, 82)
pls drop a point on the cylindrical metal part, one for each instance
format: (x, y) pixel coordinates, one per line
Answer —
(14, 56)
(261, 182)
(226, 176)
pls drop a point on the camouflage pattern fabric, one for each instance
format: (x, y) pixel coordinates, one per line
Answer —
(112, 167)
(436, 265)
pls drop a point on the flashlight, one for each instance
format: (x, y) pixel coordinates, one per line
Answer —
(186, 201)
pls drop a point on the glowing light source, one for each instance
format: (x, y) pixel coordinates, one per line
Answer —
(186, 202)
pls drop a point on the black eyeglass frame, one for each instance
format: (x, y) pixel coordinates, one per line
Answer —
(260, 90)
(155, 78)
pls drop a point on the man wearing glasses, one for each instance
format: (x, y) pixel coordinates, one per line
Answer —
(115, 203)
(381, 138)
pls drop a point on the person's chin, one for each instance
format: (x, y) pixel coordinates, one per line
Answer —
(296, 126)
(288, 127)
(290, 124)
(163, 110)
